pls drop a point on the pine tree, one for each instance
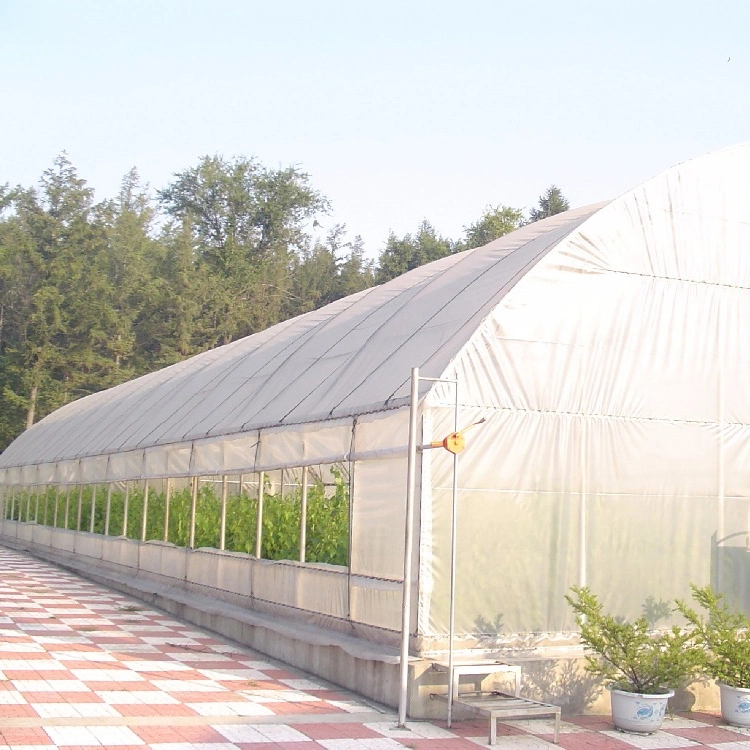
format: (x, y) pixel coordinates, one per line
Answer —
(550, 203)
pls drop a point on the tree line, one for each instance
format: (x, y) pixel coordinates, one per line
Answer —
(96, 293)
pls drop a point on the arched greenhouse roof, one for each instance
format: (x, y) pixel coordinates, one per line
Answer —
(687, 228)
(350, 357)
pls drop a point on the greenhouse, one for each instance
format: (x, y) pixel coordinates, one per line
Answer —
(594, 365)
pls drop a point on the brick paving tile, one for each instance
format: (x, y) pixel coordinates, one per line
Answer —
(281, 709)
(96, 669)
(330, 731)
(43, 697)
(16, 710)
(594, 723)
(432, 743)
(280, 674)
(591, 741)
(141, 709)
(706, 735)
(24, 736)
(704, 718)
(303, 745)
(153, 735)
(479, 728)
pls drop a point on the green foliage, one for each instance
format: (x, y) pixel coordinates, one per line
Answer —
(724, 634)
(411, 251)
(494, 222)
(327, 519)
(550, 203)
(328, 271)
(629, 655)
(93, 294)
(328, 523)
(246, 224)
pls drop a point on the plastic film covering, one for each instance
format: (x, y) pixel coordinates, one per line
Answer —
(298, 380)
(46, 474)
(314, 443)
(167, 461)
(93, 469)
(616, 443)
(605, 349)
(378, 523)
(67, 472)
(238, 452)
(313, 589)
(381, 435)
(376, 603)
(207, 457)
(128, 465)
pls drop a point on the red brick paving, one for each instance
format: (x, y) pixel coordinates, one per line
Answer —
(127, 638)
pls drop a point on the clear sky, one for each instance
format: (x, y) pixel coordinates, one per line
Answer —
(399, 111)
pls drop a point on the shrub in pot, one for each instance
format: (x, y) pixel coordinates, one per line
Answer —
(641, 667)
(724, 634)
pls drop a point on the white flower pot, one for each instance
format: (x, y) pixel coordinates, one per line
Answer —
(637, 712)
(735, 705)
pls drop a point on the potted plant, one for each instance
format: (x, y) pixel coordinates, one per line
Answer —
(641, 667)
(725, 636)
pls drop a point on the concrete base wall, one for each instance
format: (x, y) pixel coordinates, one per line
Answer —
(218, 591)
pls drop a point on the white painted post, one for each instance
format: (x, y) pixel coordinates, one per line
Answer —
(223, 520)
(93, 508)
(193, 511)
(125, 508)
(411, 473)
(303, 517)
(167, 497)
(80, 507)
(144, 519)
(108, 510)
(259, 519)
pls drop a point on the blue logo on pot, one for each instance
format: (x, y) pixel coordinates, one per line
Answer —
(644, 712)
(744, 706)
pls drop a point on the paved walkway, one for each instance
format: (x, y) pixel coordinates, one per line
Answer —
(82, 666)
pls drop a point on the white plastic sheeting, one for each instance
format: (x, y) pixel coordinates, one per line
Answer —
(605, 348)
(614, 381)
(350, 358)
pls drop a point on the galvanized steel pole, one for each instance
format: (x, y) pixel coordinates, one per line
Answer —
(411, 474)
(454, 539)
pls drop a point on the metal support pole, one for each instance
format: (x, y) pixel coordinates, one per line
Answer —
(167, 498)
(67, 507)
(144, 519)
(721, 530)
(223, 521)
(46, 502)
(583, 510)
(454, 536)
(93, 508)
(411, 474)
(193, 512)
(259, 520)
(108, 509)
(303, 517)
(80, 507)
(125, 509)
